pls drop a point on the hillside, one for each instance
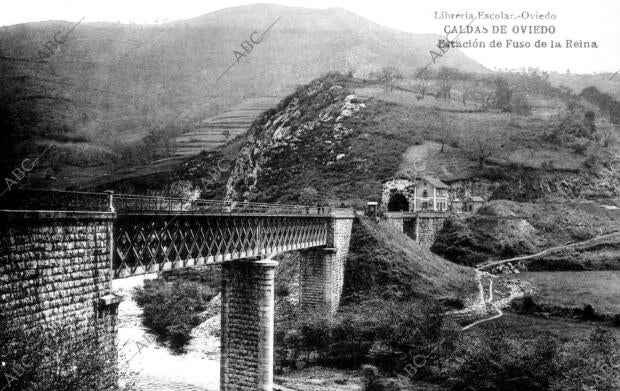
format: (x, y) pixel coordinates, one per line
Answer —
(386, 263)
(606, 82)
(344, 137)
(119, 94)
(504, 229)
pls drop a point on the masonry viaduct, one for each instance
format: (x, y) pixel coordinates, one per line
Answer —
(420, 226)
(61, 250)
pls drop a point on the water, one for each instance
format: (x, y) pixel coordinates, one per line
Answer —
(154, 367)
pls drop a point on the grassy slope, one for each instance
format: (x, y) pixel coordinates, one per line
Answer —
(523, 327)
(386, 263)
(600, 289)
(519, 139)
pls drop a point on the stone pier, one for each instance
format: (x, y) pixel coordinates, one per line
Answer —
(247, 325)
(322, 269)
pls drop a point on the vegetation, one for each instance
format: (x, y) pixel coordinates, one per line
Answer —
(384, 263)
(606, 102)
(405, 338)
(381, 332)
(496, 361)
(172, 309)
(504, 229)
(53, 358)
(576, 290)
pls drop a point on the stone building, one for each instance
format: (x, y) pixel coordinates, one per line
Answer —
(407, 195)
(471, 204)
(456, 205)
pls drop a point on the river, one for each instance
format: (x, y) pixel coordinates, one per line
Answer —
(153, 367)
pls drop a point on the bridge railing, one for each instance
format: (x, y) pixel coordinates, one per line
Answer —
(60, 200)
(56, 200)
(144, 204)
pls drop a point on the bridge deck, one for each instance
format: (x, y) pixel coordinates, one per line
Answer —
(161, 233)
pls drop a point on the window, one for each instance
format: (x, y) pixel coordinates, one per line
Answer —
(425, 193)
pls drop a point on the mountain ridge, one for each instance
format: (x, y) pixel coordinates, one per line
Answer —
(126, 82)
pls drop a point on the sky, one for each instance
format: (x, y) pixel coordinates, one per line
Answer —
(595, 20)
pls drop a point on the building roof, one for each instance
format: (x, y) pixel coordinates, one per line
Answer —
(436, 183)
(475, 199)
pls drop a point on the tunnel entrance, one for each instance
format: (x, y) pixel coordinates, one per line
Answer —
(398, 203)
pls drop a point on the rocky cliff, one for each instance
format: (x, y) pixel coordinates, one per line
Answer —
(305, 138)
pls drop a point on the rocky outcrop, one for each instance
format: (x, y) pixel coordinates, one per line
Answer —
(309, 129)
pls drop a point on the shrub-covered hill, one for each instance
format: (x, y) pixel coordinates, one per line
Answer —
(504, 229)
(386, 263)
(343, 137)
(324, 137)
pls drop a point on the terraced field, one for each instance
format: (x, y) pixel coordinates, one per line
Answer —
(217, 130)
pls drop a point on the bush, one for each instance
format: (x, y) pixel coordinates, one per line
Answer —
(375, 382)
(589, 364)
(588, 312)
(384, 333)
(579, 148)
(493, 361)
(54, 357)
(525, 305)
(520, 105)
(171, 309)
(498, 363)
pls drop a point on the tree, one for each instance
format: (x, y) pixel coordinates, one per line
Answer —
(446, 76)
(589, 119)
(421, 87)
(466, 92)
(389, 75)
(519, 104)
(445, 132)
(606, 135)
(421, 81)
(503, 93)
(484, 91)
(481, 145)
(309, 196)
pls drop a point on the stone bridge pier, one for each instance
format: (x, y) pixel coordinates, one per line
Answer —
(248, 306)
(322, 268)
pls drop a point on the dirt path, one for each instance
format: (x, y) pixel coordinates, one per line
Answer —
(532, 256)
(489, 301)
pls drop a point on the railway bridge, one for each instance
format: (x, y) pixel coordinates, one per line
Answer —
(61, 251)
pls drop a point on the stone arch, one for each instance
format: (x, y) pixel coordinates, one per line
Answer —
(398, 203)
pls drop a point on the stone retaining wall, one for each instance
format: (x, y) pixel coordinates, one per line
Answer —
(55, 272)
